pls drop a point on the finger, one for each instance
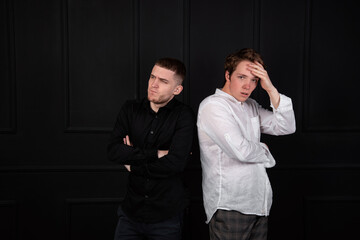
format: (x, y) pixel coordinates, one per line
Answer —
(128, 140)
(124, 139)
(259, 64)
(127, 167)
(259, 69)
(255, 69)
(259, 72)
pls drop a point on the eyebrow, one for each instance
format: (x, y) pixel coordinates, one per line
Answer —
(162, 79)
(243, 74)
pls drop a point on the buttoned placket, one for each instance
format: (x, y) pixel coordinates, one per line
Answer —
(154, 123)
(151, 138)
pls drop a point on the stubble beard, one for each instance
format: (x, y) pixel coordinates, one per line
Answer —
(158, 100)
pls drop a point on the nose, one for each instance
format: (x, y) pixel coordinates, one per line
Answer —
(246, 85)
(154, 83)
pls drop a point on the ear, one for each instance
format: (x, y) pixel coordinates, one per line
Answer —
(178, 89)
(227, 76)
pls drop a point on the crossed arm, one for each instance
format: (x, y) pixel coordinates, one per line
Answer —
(152, 162)
(127, 141)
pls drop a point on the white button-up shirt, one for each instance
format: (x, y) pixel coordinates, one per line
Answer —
(233, 159)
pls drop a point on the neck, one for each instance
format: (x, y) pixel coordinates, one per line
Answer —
(226, 88)
(156, 106)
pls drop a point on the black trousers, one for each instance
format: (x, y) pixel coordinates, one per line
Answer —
(127, 229)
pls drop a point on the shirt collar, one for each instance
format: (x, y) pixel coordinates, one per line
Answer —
(221, 93)
(170, 105)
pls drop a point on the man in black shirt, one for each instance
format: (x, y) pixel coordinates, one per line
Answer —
(152, 138)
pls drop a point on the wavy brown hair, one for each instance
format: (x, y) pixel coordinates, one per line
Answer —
(235, 58)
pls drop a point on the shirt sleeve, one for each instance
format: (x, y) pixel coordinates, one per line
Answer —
(218, 122)
(280, 121)
(179, 152)
(121, 153)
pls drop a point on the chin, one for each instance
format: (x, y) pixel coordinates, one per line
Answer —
(241, 99)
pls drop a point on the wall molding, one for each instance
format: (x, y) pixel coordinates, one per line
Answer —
(310, 228)
(73, 202)
(257, 25)
(118, 168)
(69, 128)
(186, 49)
(13, 206)
(11, 63)
(306, 127)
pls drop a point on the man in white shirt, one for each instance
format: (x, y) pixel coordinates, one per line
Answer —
(236, 189)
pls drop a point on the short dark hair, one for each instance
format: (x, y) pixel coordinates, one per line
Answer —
(235, 58)
(174, 65)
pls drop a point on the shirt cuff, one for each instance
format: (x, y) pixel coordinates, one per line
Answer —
(271, 163)
(284, 105)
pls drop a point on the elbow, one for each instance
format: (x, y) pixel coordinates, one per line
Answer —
(111, 153)
(177, 166)
(289, 129)
(292, 128)
(110, 157)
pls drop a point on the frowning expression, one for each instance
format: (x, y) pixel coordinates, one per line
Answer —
(163, 86)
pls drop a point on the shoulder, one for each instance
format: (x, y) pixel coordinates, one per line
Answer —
(213, 102)
(184, 110)
(134, 103)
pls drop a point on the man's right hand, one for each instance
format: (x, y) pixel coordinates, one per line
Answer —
(162, 153)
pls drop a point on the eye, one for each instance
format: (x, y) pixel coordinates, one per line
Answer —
(242, 77)
(152, 76)
(255, 80)
(164, 81)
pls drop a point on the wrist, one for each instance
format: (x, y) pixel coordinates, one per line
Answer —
(274, 97)
(272, 91)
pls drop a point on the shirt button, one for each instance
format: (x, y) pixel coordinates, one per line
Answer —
(146, 196)
(151, 132)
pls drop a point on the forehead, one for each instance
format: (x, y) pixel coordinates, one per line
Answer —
(161, 72)
(242, 68)
(242, 65)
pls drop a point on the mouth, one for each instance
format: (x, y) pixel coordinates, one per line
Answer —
(152, 91)
(244, 94)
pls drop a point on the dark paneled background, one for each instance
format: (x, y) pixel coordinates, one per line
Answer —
(68, 65)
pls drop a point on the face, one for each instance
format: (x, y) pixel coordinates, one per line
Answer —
(241, 83)
(162, 87)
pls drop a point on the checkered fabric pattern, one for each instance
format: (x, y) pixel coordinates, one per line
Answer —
(233, 225)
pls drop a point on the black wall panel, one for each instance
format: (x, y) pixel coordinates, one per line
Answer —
(231, 23)
(99, 58)
(333, 42)
(67, 66)
(7, 57)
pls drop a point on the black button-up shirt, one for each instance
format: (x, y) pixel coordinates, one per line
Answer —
(155, 187)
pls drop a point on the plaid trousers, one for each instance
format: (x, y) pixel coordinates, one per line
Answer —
(233, 225)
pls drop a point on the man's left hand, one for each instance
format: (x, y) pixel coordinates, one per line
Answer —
(259, 71)
(127, 142)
